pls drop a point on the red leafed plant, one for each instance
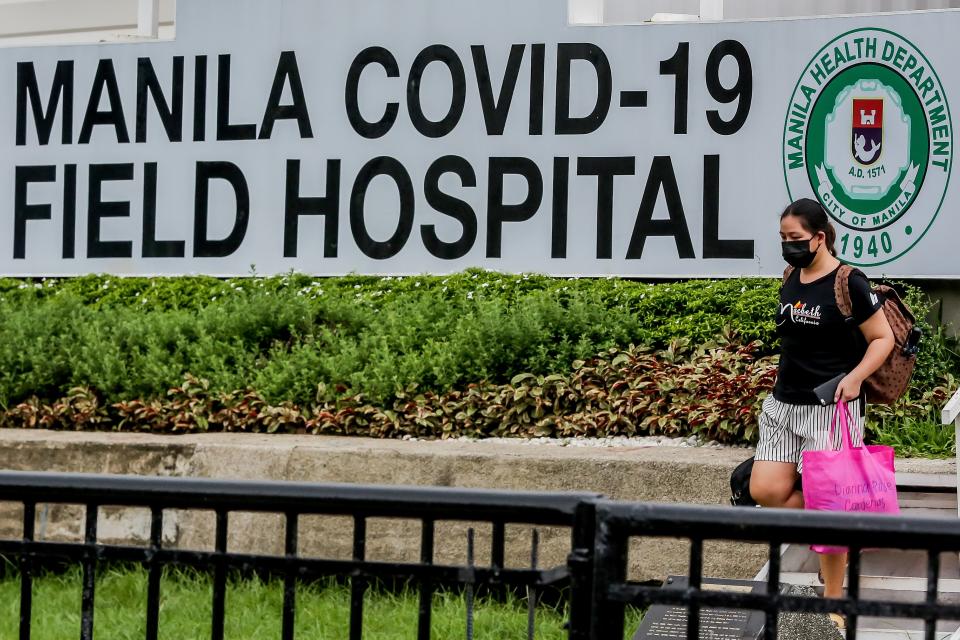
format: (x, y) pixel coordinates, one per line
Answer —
(712, 391)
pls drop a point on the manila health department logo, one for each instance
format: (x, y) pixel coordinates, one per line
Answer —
(868, 130)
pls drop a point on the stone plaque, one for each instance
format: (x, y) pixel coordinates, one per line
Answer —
(664, 622)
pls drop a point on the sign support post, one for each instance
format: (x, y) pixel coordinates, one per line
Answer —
(148, 18)
(711, 9)
(951, 413)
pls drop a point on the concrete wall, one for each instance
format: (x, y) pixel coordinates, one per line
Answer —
(73, 21)
(946, 295)
(665, 474)
(630, 11)
(28, 22)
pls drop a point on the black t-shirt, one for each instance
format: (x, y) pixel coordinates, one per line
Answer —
(817, 343)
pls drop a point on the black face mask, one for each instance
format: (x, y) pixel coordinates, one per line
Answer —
(797, 253)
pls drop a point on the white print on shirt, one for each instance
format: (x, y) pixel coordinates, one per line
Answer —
(874, 299)
(799, 314)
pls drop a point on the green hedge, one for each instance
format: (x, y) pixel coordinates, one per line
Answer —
(304, 341)
(136, 338)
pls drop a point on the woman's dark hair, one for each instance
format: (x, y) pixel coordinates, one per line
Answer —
(813, 218)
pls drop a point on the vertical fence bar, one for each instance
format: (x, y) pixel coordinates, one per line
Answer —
(693, 586)
(580, 564)
(933, 583)
(26, 571)
(156, 571)
(358, 585)
(497, 544)
(290, 579)
(853, 589)
(532, 588)
(220, 577)
(609, 569)
(89, 573)
(470, 584)
(770, 630)
(426, 586)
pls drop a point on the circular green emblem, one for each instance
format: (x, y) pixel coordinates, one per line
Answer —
(868, 133)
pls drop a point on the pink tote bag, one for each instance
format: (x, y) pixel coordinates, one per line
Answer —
(853, 479)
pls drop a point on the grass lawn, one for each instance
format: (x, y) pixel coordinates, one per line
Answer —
(253, 611)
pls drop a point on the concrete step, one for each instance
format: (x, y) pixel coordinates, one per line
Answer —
(798, 559)
(928, 482)
(891, 574)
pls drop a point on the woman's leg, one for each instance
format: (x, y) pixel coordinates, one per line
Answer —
(774, 476)
(773, 484)
(833, 566)
(816, 431)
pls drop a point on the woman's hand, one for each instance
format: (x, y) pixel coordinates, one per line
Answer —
(848, 389)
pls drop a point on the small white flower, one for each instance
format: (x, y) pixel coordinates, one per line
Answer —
(470, 296)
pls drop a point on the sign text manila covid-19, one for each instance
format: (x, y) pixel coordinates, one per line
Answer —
(415, 136)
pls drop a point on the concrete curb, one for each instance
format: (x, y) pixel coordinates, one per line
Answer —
(653, 474)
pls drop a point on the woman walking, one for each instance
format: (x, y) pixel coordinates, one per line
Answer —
(817, 344)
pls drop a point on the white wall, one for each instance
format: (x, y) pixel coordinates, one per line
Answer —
(627, 11)
(75, 21)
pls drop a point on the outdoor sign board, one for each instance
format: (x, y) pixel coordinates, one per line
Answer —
(665, 622)
(428, 136)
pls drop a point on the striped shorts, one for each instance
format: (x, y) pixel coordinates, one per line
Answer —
(787, 430)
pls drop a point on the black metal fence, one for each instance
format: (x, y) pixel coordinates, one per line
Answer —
(594, 577)
(617, 522)
(292, 500)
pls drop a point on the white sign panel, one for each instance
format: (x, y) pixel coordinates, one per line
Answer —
(413, 136)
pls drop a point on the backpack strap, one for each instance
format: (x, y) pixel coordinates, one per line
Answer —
(841, 289)
(787, 272)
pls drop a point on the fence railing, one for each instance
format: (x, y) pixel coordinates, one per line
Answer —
(291, 500)
(594, 576)
(618, 522)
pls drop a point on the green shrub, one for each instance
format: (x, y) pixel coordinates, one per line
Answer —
(366, 342)
(136, 338)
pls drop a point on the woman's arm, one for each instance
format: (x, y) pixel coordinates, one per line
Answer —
(880, 343)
